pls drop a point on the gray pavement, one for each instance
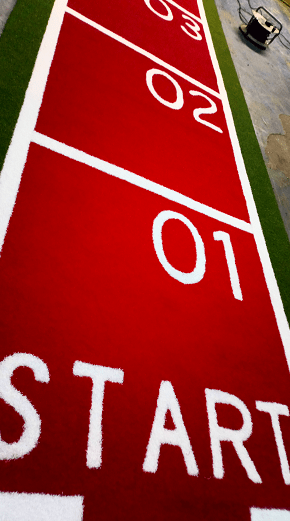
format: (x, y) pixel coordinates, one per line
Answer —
(265, 80)
(6, 7)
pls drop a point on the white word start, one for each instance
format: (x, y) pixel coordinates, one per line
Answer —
(166, 401)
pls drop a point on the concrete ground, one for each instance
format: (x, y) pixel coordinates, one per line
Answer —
(6, 7)
(265, 80)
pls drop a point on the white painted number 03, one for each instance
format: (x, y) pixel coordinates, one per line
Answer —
(197, 274)
(194, 29)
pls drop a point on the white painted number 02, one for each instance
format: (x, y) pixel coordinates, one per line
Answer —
(179, 102)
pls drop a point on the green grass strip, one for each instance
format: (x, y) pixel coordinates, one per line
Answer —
(273, 227)
(287, 2)
(19, 44)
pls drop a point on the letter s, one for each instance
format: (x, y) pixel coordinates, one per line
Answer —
(21, 404)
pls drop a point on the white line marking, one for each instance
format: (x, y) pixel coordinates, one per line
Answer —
(40, 507)
(184, 10)
(269, 514)
(18, 149)
(142, 51)
(130, 177)
(270, 278)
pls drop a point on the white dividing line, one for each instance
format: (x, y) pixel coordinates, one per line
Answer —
(142, 51)
(269, 514)
(130, 177)
(18, 149)
(40, 507)
(184, 10)
(270, 278)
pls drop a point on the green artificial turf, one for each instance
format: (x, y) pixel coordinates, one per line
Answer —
(19, 45)
(273, 227)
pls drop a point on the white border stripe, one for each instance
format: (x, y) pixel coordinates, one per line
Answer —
(271, 282)
(142, 51)
(18, 149)
(130, 177)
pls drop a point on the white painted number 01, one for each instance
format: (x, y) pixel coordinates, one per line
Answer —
(197, 274)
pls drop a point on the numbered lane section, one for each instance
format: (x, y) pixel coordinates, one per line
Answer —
(114, 103)
(116, 276)
(133, 301)
(171, 30)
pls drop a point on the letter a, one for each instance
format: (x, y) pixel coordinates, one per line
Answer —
(167, 401)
